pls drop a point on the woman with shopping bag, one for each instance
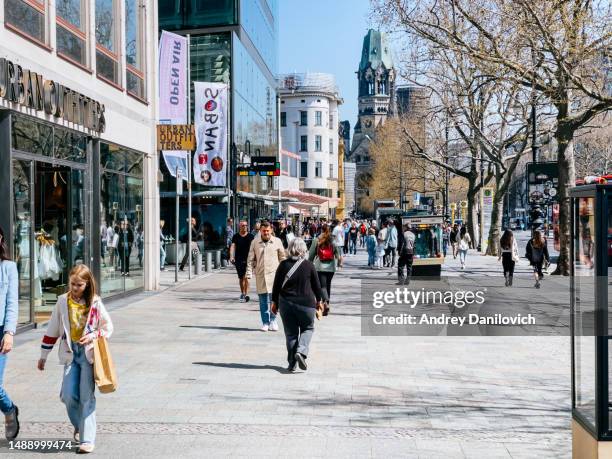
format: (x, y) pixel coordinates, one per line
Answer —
(82, 325)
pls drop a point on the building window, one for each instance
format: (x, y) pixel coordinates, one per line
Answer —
(318, 169)
(303, 169)
(107, 57)
(71, 18)
(303, 118)
(134, 48)
(331, 146)
(331, 121)
(318, 118)
(283, 119)
(331, 170)
(28, 16)
(303, 143)
(318, 143)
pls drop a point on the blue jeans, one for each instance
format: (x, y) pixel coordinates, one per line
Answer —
(6, 405)
(353, 246)
(264, 308)
(462, 255)
(372, 257)
(162, 256)
(78, 395)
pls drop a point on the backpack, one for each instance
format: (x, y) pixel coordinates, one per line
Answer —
(325, 252)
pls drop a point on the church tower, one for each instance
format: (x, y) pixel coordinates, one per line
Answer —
(376, 77)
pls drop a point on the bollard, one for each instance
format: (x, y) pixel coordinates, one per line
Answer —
(217, 259)
(198, 264)
(208, 265)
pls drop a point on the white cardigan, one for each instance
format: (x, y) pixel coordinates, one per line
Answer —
(59, 325)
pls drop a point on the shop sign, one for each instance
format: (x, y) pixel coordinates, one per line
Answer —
(175, 137)
(29, 89)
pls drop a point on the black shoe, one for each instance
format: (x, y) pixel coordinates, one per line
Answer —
(301, 361)
(399, 282)
(246, 298)
(291, 367)
(510, 281)
(11, 428)
(182, 268)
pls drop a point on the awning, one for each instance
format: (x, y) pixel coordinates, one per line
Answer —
(198, 194)
(264, 197)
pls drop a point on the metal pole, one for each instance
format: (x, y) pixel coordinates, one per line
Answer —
(189, 154)
(176, 229)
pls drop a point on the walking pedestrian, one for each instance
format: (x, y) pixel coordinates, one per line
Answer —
(363, 234)
(9, 305)
(454, 240)
(391, 241)
(380, 251)
(353, 234)
(406, 255)
(162, 246)
(194, 245)
(346, 228)
(265, 254)
(445, 238)
(464, 244)
(81, 315)
(297, 294)
(371, 246)
(508, 254)
(382, 239)
(324, 255)
(537, 254)
(239, 254)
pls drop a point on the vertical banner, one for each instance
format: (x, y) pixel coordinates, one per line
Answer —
(487, 211)
(173, 92)
(211, 123)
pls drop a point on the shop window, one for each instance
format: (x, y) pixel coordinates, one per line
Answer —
(112, 157)
(28, 16)
(318, 143)
(31, 136)
(107, 57)
(304, 169)
(303, 118)
(134, 48)
(71, 18)
(70, 145)
(303, 143)
(318, 169)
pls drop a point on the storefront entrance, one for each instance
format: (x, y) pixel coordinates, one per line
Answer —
(49, 231)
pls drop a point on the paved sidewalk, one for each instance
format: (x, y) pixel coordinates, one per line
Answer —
(197, 379)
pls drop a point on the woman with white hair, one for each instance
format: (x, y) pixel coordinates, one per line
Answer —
(297, 294)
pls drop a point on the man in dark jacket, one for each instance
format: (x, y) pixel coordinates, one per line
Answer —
(126, 239)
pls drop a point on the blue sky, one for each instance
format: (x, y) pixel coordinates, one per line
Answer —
(325, 36)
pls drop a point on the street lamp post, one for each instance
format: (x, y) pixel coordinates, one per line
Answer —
(446, 171)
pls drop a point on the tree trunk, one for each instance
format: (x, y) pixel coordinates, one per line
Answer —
(472, 217)
(567, 179)
(496, 218)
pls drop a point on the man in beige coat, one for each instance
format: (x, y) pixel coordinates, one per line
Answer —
(265, 255)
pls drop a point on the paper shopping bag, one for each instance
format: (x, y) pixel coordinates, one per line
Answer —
(104, 368)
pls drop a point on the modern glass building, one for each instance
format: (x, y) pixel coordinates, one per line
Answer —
(235, 42)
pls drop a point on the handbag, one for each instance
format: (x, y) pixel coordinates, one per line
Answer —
(104, 367)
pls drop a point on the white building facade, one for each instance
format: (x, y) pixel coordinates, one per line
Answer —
(309, 127)
(78, 97)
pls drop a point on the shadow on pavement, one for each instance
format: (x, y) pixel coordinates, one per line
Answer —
(242, 366)
(209, 327)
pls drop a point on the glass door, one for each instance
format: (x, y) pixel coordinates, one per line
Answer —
(22, 230)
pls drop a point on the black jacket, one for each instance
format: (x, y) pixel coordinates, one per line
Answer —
(536, 256)
(302, 288)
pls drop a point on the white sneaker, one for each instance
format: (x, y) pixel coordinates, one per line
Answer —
(274, 325)
(264, 328)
